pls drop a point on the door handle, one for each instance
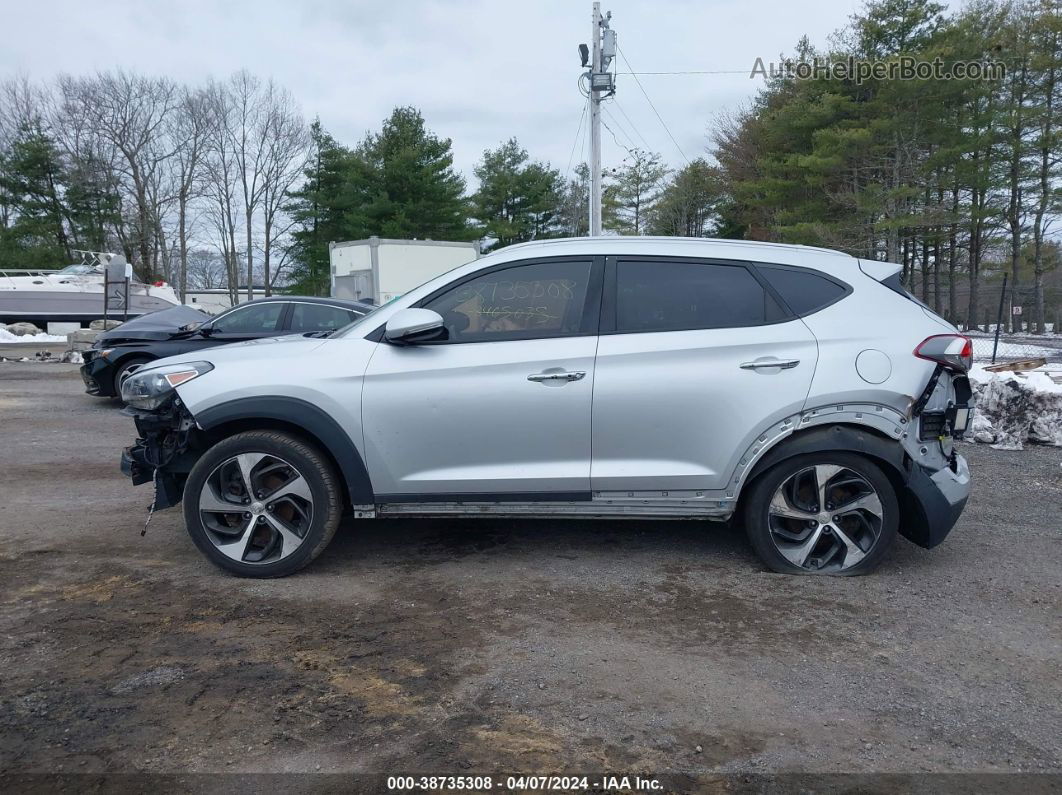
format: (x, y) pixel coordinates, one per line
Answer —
(781, 364)
(575, 375)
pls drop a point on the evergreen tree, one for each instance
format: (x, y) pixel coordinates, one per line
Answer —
(403, 184)
(632, 189)
(687, 205)
(573, 210)
(320, 208)
(518, 199)
(32, 179)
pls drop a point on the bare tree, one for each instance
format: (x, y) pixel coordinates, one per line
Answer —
(207, 270)
(242, 126)
(128, 113)
(286, 144)
(222, 169)
(190, 130)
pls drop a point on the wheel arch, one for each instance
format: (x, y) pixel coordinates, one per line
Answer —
(300, 418)
(863, 440)
(836, 437)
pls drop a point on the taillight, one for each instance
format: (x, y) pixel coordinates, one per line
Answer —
(951, 350)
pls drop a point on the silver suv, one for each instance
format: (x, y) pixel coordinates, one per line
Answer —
(799, 389)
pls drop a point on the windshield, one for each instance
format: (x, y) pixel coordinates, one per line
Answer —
(78, 270)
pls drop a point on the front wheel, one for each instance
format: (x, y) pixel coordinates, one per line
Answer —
(262, 503)
(128, 367)
(822, 513)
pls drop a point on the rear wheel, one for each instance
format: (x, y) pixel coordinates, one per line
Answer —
(262, 504)
(822, 513)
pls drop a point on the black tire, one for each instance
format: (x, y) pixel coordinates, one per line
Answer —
(128, 366)
(307, 461)
(757, 513)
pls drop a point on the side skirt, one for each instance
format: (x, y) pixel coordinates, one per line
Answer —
(647, 509)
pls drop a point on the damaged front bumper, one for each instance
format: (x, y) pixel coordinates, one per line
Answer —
(167, 446)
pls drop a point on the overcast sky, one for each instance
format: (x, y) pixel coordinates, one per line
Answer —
(480, 70)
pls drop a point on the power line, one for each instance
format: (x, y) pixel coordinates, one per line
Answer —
(691, 72)
(651, 105)
(575, 143)
(620, 128)
(631, 123)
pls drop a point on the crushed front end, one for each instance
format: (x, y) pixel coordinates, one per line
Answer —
(166, 448)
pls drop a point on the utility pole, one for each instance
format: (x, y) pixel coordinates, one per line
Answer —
(600, 85)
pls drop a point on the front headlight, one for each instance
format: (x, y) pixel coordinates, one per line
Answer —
(149, 389)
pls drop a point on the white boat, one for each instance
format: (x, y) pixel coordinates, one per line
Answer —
(75, 294)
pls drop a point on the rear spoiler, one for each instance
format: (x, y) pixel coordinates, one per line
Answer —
(879, 271)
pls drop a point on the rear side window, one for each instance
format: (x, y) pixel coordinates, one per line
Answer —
(676, 295)
(893, 283)
(319, 317)
(803, 291)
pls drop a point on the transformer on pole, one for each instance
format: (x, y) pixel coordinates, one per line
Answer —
(600, 84)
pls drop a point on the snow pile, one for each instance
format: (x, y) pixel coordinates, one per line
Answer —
(7, 336)
(1013, 409)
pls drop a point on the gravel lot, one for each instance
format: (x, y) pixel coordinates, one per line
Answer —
(488, 646)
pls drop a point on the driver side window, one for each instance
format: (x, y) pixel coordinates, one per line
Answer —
(541, 299)
(251, 319)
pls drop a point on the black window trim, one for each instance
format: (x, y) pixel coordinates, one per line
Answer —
(608, 320)
(845, 287)
(588, 325)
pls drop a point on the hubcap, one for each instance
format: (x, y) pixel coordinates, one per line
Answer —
(256, 508)
(825, 518)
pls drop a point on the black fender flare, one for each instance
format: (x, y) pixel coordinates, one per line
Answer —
(850, 438)
(317, 423)
(926, 516)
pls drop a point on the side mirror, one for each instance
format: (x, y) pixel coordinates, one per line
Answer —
(410, 326)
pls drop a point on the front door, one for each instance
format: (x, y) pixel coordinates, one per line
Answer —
(502, 406)
(249, 322)
(696, 359)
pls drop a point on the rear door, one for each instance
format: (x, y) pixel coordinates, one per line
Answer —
(695, 359)
(309, 316)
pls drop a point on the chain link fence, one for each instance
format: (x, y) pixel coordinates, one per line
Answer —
(1015, 347)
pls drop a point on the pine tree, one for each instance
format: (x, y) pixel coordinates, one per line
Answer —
(319, 207)
(518, 199)
(403, 184)
(686, 207)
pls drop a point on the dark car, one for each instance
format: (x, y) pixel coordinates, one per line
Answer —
(182, 329)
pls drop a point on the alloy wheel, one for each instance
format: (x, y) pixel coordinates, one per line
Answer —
(256, 508)
(825, 518)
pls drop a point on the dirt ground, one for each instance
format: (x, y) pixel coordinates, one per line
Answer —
(507, 647)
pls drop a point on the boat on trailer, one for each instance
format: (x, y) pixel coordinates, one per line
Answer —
(75, 294)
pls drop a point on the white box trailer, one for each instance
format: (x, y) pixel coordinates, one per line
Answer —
(381, 269)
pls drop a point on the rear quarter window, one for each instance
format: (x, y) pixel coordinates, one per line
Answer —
(803, 291)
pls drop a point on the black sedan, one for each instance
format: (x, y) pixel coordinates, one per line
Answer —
(126, 348)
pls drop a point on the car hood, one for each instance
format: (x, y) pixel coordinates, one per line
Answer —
(270, 348)
(161, 325)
